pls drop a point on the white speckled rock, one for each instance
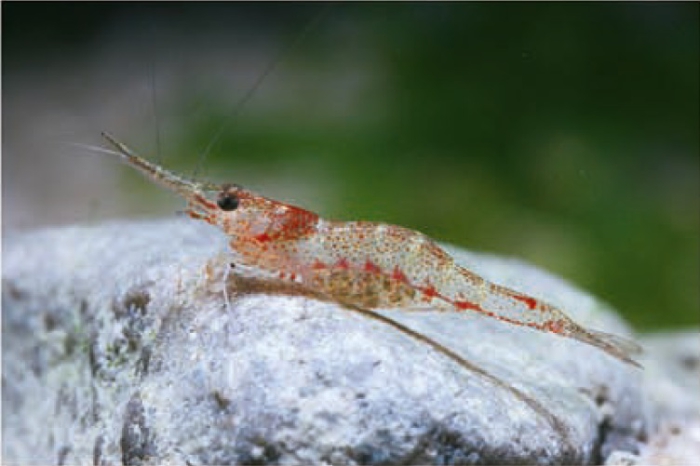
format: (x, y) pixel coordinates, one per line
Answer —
(672, 369)
(671, 385)
(118, 347)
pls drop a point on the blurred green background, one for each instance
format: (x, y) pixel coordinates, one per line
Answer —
(565, 134)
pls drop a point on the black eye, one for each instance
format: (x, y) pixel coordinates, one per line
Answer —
(227, 202)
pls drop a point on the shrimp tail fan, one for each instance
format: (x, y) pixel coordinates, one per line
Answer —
(619, 347)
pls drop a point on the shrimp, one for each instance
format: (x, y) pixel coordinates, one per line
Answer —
(363, 264)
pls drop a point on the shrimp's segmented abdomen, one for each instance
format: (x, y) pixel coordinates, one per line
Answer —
(384, 266)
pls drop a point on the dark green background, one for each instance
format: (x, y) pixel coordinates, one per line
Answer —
(562, 133)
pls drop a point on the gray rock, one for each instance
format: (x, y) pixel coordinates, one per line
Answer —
(671, 384)
(672, 375)
(118, 347)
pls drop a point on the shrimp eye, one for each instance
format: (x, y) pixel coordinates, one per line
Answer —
(228, 202)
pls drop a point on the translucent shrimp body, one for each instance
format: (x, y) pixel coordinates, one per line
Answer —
(363, 264)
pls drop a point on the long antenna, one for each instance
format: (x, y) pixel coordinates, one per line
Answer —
(154, 103)
(270, 68)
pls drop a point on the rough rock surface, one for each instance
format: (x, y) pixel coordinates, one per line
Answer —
(671, 386)
(118, 347)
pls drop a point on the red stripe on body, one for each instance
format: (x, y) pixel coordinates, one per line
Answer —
(556, 326)
(464, 305)
(205, 202)
(318, 265)
(342, 264)
(430, 291)
(530, 302)
(397, 274)
(372, 267)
